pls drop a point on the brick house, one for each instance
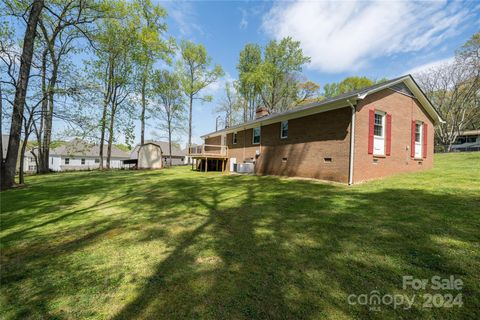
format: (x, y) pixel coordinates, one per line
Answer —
(370, 133)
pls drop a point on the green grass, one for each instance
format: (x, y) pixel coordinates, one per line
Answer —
(175, 244)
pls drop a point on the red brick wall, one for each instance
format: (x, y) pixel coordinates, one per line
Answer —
(310, 140)
(403, 109)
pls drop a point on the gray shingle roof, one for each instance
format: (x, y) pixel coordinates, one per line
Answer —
(176, 152)
(344, 96)
(77, 147)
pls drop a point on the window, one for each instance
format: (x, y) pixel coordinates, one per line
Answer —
(284, 130)
(83, 161)
(379, 133)
(256, 135)
(418, 140)
(97, 160)
(67, 160)
(234, 138)
(378, 126)
(418, 132)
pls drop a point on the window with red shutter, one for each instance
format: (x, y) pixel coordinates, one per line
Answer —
(425, 140)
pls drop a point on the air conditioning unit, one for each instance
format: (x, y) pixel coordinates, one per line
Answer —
(245, 167)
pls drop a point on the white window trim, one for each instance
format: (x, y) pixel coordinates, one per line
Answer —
(253, 135)
(234, 138)
(281, 130)
(382, 137)
(419, 143)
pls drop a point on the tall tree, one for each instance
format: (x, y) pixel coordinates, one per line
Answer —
(170, 109)
(249, 61)
(115, 42)
(230, 104)
(454, 88)
(151, 47)
(60, 25)
(8, 167)
(195, 73)
(282, 61)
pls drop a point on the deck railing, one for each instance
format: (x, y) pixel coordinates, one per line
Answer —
(208, 150)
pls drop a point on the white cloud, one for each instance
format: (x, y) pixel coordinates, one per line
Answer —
(429, 65)
(184, 15)
(346, 36)
(217, 88)
(243, 21)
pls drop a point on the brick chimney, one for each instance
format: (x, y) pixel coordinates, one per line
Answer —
(261, 112)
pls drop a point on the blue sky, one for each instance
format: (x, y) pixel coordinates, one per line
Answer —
(374, 39)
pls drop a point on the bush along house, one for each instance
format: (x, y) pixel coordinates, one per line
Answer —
(370, 133)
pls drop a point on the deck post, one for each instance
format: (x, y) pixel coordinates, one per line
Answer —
(206, 164)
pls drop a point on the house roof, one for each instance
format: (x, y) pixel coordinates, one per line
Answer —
(176, 152)
(341, 100)
(77, 147)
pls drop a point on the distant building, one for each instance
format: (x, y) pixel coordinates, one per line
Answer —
(467, 141)
(77, 155)
(155, 155)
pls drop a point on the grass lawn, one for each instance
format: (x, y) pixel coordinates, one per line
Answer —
(175, 244)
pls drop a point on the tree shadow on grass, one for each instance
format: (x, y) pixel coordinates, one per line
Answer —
(256, 247)
(293, 249)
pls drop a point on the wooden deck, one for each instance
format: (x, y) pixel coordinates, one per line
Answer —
(209, 156)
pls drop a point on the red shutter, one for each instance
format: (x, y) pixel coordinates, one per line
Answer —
(388, 146)
(412, 149)
(370, 130)
(425, 139)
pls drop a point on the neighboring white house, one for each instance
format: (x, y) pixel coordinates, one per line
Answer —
(155, 154)
(77, 155)
(467, 141)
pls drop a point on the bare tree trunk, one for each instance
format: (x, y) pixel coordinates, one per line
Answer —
(106, 101)
(21, 178)
(40, 133)
(36, 161)
(110, 139)
(190, 105)
(170, 142)
(110, 130)
(102, 134)
(142, 116)
(8, 179)
(47, 133)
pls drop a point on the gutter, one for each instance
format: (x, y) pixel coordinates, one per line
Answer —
(352, 144)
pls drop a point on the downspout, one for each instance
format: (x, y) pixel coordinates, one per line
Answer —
(352, 144)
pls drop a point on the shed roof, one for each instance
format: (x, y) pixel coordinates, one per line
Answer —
(176, 152)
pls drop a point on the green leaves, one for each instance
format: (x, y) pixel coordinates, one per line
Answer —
(347, 85)
(273, 77)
